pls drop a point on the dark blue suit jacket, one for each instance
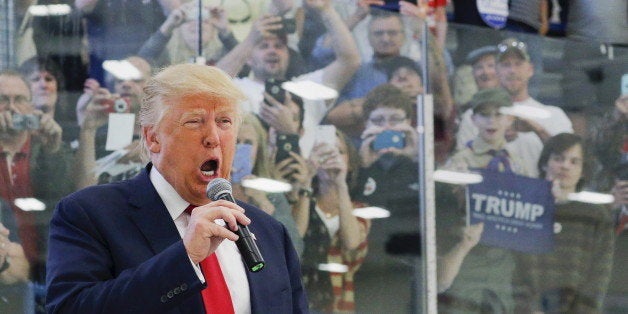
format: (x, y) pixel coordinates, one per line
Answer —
(115, 249)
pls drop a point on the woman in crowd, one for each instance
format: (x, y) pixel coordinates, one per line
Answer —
(574, 277)
(276, 204)
(324, 215)
(46, 82)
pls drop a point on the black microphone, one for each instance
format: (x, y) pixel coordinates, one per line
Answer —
(220, 189)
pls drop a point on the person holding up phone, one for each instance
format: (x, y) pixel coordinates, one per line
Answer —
(266, 52)
(388, 150)
(252, 160)
(324, 217)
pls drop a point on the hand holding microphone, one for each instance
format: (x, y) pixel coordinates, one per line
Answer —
(203, 235)
(220, 189)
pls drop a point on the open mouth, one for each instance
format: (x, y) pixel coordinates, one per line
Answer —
(272, 60)
(209, 167)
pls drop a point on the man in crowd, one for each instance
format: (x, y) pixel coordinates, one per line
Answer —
(34, 164)
(93, 110)
(265, 51)
(535, 122)
(386, 36)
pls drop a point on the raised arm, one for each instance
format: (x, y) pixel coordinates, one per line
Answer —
(233, 62)
(339, 72)
(449, 264)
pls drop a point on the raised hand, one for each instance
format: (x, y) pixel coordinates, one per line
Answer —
(218, 18)
(330, 164)
(49, 132)
(367, 155)
(283, 117)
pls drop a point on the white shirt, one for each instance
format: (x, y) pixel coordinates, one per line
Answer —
(527, 146)
(227, 253)
(557, 122)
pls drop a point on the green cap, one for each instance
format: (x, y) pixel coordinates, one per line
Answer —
(497, 97)
(475, 55)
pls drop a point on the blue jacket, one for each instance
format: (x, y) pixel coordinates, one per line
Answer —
(115, 249)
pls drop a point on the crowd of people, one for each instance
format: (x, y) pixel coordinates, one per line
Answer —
(54, 143)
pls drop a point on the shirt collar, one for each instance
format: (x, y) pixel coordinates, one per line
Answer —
(175, 204)
(480, 146)
(23, 152)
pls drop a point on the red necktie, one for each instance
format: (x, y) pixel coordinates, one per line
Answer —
(216, 297)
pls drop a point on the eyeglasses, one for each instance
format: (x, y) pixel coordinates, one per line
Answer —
(136, 81)
(5, 100)
(502, 47)
(390, 33)
(392, 120)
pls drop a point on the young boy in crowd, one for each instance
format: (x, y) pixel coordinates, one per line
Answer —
(473, 276)
(488, 149)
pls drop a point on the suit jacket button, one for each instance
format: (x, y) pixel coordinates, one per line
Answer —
(164, 299)
(170, 294)
(177, 290)
(184, 286)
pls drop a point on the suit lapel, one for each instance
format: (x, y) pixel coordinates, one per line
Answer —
(150, 214)
(152, 218)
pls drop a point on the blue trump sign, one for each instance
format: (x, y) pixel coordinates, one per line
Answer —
(517, 211)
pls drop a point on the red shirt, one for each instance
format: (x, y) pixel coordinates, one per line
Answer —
(19, 187)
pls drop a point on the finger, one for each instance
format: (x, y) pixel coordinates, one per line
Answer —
(272, 101)
(229, 212)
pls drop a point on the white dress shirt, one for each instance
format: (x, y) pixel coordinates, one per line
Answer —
(227, 253)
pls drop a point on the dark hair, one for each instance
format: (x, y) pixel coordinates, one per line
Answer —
(378, 13)
(558, 144)
(353, 168)
(392, 64)
(35, 64)
(388, 96)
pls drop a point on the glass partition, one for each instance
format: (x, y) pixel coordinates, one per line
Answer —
(517, 140)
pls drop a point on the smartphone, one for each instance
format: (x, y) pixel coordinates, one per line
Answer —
(391, 5)
(389, 139)
(286, 143)
(242, 165)
(325, 134)
(288, 26)
(273, 88)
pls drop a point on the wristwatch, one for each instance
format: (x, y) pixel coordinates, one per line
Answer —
(305, 192)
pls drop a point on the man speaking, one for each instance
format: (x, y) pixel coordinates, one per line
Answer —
(156, 243)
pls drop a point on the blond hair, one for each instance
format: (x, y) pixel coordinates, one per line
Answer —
(182, 81)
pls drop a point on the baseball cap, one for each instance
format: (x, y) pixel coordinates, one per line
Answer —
(497, 97)
(475, 55)
(513, 45)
